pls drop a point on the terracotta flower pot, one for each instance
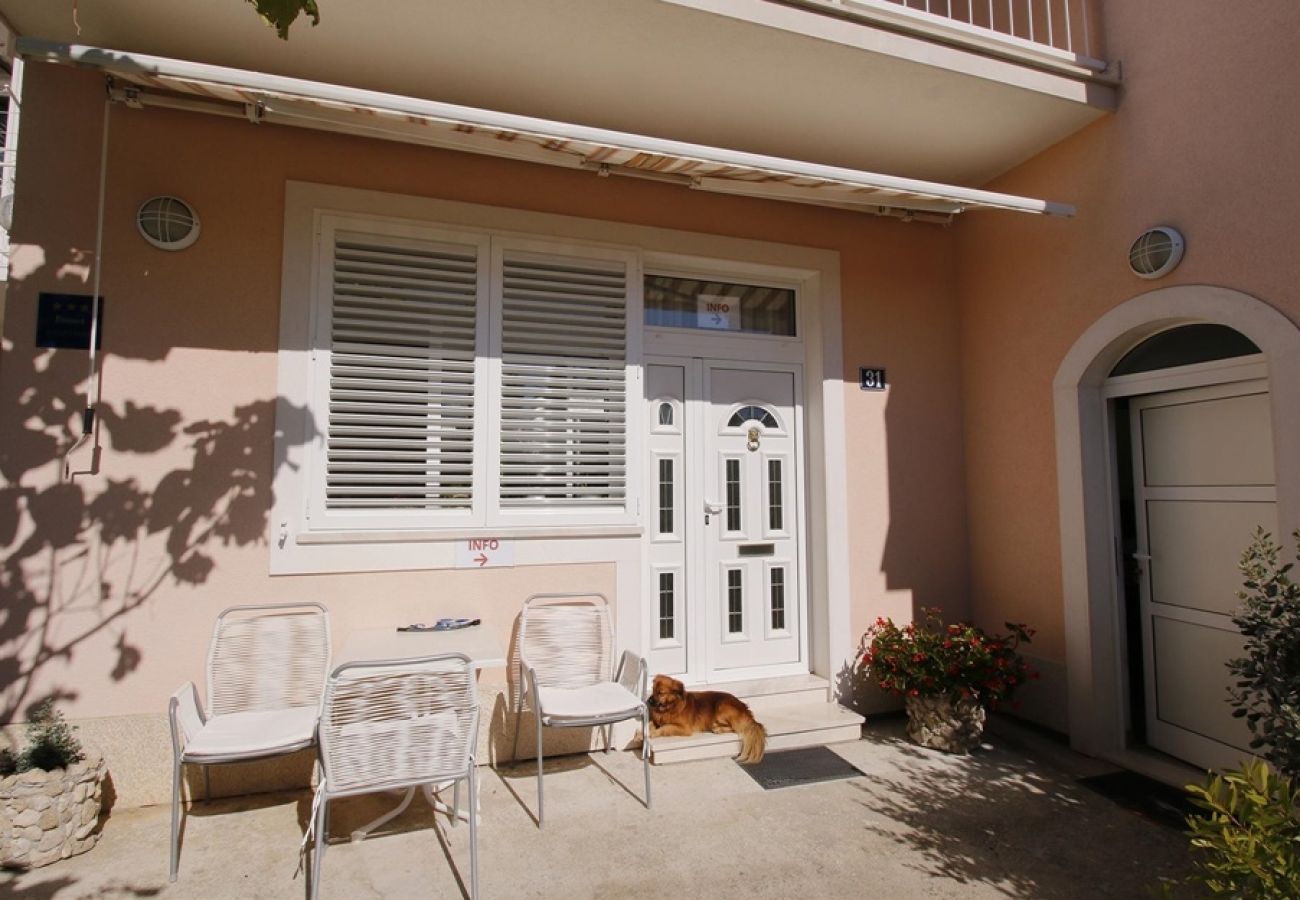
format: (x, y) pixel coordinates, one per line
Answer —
(48, 816)
(941, 724)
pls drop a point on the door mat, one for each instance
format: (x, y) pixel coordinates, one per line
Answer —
(806, 765)
(1150, 799)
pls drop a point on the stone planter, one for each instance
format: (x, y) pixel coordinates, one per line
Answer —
(941, 724)
(48, 816)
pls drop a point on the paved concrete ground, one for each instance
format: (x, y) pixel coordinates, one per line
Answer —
(1008, 821)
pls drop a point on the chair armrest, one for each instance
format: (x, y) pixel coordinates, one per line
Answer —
(185, 716)
(530, 689)
(631, 673)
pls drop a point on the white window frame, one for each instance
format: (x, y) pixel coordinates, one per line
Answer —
(302, 528)
(11, 92)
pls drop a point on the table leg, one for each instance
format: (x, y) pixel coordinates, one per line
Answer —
(430, 794)
(386, 817)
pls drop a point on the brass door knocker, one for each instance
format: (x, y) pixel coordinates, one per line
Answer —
(752, 443)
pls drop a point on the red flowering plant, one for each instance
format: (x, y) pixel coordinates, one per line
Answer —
(958, 661)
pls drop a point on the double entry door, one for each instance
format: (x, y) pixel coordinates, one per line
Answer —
(725, 487)
(1204, 480)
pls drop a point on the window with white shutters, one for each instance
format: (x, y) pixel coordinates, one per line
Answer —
(402, 370)
(463, 380)
(563, 434)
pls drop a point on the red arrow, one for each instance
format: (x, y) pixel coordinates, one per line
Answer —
(481, 559)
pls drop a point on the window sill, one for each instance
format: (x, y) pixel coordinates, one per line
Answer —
(450, 535)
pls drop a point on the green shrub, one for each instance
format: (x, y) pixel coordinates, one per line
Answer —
(1247, 843)
(51, 744)
(1267, 691)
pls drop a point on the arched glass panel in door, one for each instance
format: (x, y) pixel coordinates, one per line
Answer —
(760, 414)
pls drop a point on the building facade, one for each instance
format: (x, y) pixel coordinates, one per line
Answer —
(422, 361)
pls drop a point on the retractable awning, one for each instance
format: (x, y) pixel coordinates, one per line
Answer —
(151, 80)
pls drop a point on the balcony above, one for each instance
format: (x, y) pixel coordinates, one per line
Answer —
(917, 98)
(1057, 35)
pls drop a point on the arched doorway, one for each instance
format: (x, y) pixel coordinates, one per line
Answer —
(1120, 701)
(1188, 408)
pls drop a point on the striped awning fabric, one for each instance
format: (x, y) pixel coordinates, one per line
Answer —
(338, 108)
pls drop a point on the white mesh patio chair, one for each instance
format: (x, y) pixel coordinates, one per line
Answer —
(566, 653)
(266, 669)
(399, 723)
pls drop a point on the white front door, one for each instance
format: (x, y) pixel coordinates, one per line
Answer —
(1204, 480)
(751, 522)
(726, 580)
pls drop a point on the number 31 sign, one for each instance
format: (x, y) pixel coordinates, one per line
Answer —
(871, 379)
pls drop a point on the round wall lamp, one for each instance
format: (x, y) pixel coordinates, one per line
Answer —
(168, 223)
(1156, 252)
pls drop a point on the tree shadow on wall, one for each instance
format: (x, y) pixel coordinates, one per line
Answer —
(83, 550)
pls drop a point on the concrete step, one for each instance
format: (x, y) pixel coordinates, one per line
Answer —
(801, 723)
(765, 693)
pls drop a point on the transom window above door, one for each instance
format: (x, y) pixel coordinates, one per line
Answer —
(680, 302)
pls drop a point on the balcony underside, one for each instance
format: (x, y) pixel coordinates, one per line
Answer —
(784, 81)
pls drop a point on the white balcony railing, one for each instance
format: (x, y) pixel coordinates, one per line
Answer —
(1062, 32)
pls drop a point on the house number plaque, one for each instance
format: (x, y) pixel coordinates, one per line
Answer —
(871, 379)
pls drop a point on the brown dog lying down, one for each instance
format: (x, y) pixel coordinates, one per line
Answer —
(677, 712)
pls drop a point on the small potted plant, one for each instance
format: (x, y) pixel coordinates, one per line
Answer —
(50, 794)
(948, 676)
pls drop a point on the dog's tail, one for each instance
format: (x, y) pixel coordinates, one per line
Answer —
(753, 741)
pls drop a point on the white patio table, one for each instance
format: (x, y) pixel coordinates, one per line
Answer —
(476, 642)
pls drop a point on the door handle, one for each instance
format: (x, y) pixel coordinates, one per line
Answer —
(711, 509)
(1141, 562)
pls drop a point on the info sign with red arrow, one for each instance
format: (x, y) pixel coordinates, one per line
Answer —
(717, 312)
(484, 553)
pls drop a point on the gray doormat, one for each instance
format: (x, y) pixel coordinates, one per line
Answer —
(806, 765)
(1150, 799)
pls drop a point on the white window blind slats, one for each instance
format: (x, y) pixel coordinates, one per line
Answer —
(401, 421)
(399, 401)
(380, 379)
(563, 425)
(362, 256)
(470, 379)
(534, 378)
(544, 340)
(542, 306)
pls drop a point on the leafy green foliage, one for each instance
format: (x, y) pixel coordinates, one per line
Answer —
(280, 14)
(957, 661)
(51, 744)
(1247, 842)
(1267, 691)
(51, 741)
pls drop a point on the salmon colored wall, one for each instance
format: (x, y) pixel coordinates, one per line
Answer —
(134, 561)
(1206, 140)
(906, 499)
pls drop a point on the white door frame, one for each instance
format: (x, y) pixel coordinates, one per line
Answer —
(1095, 685)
